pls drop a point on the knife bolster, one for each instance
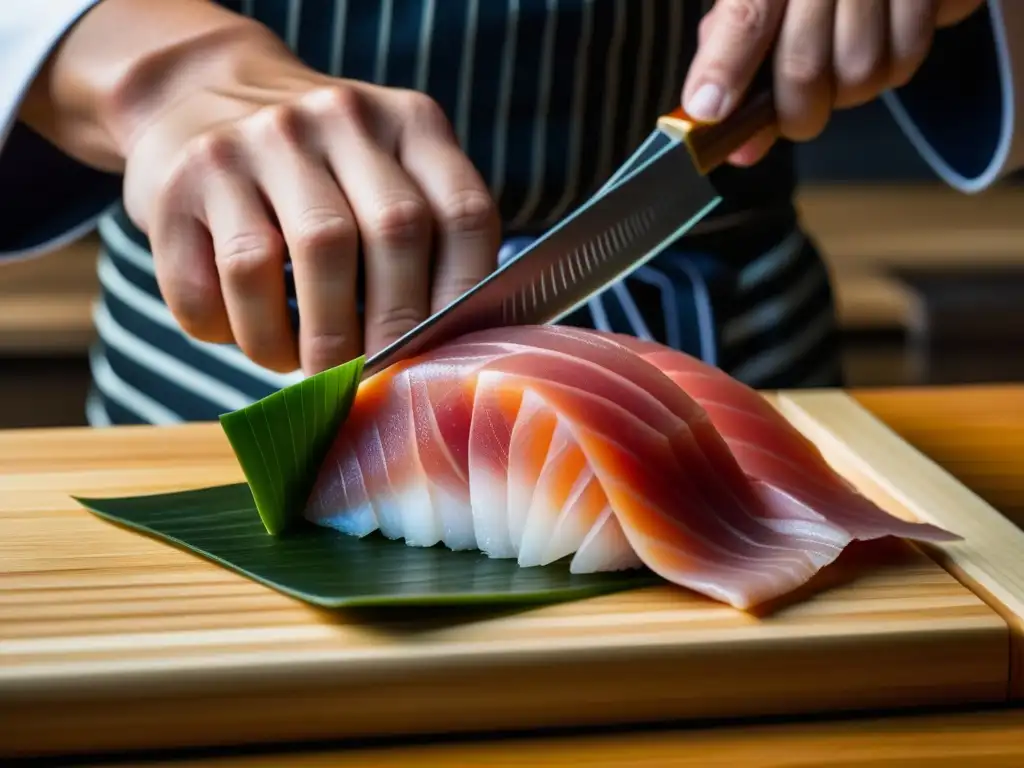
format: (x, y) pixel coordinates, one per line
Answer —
(710, 144)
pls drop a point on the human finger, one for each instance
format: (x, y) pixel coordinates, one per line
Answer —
(395, 226)
(467, 224)
(911, 30)
(736, 40)
(755, 149)
(182, 247)
(950, 12)
(320, 232)
(183, 258)
(860, 53)
(803, 68)
(249, 254)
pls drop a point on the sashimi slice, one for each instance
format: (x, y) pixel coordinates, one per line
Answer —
(528, 451)
(550, 443)
(605, 547)
(490, 432)
(791, 476)
(563, 468)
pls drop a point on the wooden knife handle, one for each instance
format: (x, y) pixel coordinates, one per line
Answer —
(712, 143)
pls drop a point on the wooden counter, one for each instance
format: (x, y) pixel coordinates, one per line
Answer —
(46, 302)
(989, 740)
(976, 433)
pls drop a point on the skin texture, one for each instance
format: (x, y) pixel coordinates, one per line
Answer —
(827, 55)
(235, 154)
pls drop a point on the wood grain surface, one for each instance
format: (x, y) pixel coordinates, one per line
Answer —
(913, 226)
(887, 470)
(46, 302)
(111, 640)
(990, 740)
(976, 433)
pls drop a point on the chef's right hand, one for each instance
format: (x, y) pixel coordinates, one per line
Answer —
(827, 54)
(264, 157)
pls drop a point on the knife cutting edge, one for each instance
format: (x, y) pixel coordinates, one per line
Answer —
(621, 228)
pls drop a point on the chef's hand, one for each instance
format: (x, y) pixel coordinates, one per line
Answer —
(265, 156)
(829, 54)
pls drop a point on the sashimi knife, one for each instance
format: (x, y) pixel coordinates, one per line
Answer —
(621, 228)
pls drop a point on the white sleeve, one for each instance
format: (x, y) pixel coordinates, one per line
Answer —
(29, 31)
(963, 110)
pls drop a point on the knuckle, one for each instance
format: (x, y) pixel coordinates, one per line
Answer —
(322, 230)
(326, 349)
(801, 69)
(456, 285)
(196, 305)
(337, 102)
(401, 221)
(245, 257)
(276, 123)
(746, 17)
(213, 150)
(859, 69)
(469, 211)
(395, 322)
(422, 110)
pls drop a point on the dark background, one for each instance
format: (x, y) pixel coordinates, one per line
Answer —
(862, 145)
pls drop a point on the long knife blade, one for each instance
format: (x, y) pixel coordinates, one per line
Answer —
(621, 228)
(602, 242)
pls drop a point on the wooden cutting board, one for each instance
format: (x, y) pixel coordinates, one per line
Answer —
(110, 640)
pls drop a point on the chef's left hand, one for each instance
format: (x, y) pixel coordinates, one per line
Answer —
(830, 54)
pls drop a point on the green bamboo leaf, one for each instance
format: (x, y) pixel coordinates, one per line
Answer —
(329, 569)
(281, 440)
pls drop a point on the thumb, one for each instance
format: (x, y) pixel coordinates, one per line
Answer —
(736, 35)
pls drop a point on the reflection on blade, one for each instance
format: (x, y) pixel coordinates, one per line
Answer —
(617, 231)
(585, 265)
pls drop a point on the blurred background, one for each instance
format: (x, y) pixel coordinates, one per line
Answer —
(930, 282)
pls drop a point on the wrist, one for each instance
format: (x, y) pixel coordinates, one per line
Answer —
(159, 81)
(127, 61)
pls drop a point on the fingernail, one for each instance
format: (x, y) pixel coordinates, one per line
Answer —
(707, 103)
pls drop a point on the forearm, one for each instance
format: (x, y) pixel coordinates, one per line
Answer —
(122, 63)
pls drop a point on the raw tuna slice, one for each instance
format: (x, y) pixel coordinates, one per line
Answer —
(541, 443)
(787, 469)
